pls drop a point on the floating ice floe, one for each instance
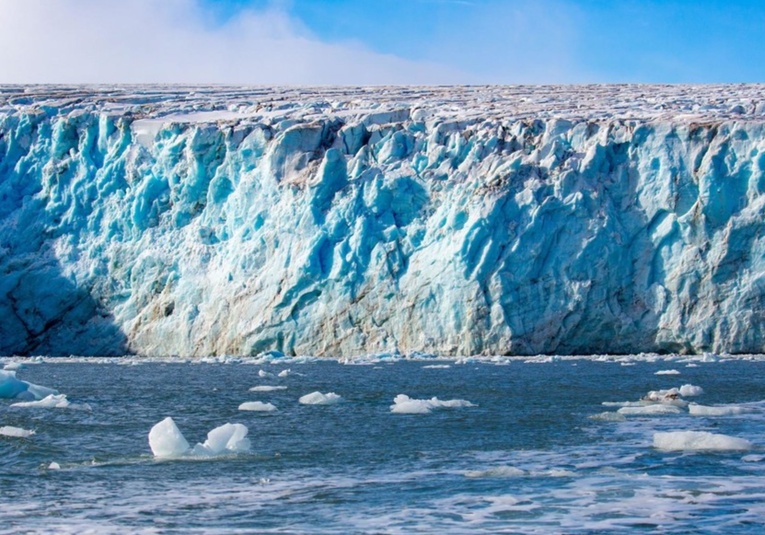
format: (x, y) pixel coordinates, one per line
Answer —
(317, 398)
(436, 367)
(698, 441)
(403, 404)
(13, 388)
(690, 390)
(649, 410)
(720, 410)
(267, 388)
(667, 372)
(263, 373)
(53, 401)
(13, 366)
(167, 442)
(257, 406)
(16, 432)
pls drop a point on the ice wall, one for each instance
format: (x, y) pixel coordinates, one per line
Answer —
(339, 222)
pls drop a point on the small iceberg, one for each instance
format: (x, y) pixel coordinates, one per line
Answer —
(267, 388)
(16, 432)
(403, 404)
(649, 410)
(257, 406)
(317, 398)
(720, 410)
(226, 439)
(667, 372)
(167, 442)
(13, 388)
(698, 441)
(53, 401)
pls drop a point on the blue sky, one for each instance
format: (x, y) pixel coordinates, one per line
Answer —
(382, 41)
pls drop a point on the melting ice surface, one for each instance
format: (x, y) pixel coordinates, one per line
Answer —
(536, 452)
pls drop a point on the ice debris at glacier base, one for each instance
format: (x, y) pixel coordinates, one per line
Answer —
(337, 221)
(167, 442)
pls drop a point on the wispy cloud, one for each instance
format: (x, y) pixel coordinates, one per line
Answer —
(174, 41)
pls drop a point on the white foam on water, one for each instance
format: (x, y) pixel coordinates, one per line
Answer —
(650, 410)
(667, 372)
(267, 388)
(499, 471)
(317, 398)
(16, 432)
(403, 404)
(719, 410)
(257, 406)
(698, 441)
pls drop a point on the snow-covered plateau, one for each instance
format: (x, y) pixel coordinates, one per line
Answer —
(198, 221)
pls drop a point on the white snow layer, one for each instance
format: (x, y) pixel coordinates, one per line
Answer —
(698, 441)
(317, 398)
(403, 404)
(337, 221)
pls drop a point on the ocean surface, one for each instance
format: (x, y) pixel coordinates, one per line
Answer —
(534, 451)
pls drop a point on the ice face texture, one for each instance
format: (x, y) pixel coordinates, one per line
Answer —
(456, 221)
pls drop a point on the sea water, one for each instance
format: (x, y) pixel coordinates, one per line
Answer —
(507, 446)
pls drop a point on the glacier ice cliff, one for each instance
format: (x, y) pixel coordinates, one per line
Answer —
(338, 221)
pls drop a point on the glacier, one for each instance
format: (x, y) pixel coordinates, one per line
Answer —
(196, 221)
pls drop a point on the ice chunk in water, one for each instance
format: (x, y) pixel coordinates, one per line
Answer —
(403, 404)
(166, 440)
(228, 438)
(267, 388)
(649, 410)
(722, 410)
(667, 372)
(698, 441)
(257, 406)
(52, 401)
(11, 387)
(17, 432)
(690, 390)
(317, 398)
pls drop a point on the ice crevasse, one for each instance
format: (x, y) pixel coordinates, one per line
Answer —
(457, 221)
